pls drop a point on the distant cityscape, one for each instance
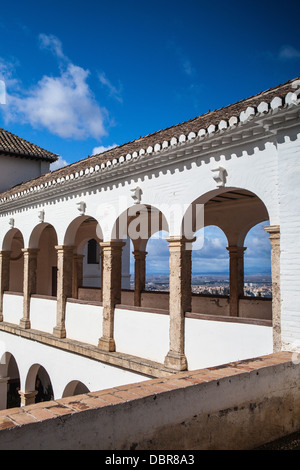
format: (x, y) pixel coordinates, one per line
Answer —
(259, 285)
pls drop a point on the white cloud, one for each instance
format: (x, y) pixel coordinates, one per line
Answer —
(288, 53)
(113, 91)
(53, 44)
(102, 149)
(63, 104)
(2, 92)
(60, 163)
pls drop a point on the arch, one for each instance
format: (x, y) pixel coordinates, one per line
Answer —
(14, 243)
(44, 239)
(79, 232)
(13, 233)
(9, 370)
(44, 387)
(138, 223)
(75, 387)
(234, 210)
(72, 231)
(37, 232)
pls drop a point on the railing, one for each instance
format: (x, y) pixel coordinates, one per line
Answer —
(43, 313)
(144, 332)
(12, 307)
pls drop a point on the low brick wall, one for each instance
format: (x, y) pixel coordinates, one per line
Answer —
(237, 406)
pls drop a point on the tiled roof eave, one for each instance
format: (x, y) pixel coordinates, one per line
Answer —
(154, 144)
(14, 145)
(30, 156)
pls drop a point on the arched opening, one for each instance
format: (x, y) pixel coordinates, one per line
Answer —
(257, 262)
(10, 382)
(38, 380)
(145, 255)
(85, 235)
(157, 267)
(221, 258)
(210, 267)
(14, 243)
(44, 239)
(75, 387)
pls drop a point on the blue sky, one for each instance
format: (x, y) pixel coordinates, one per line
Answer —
(213, 258)
(86, 75)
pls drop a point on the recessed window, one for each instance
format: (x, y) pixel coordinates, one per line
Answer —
(93, 252)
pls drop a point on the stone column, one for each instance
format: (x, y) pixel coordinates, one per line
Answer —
(274, 231)
(64, 286)
(111, 290)
(29, 283)
(77, 274)
(180, 300)
(27, 398)
(3, 392)
(139, 275)
(101, 271)
(236, 278)
(4, 277)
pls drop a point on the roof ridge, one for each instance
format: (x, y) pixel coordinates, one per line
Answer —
(225, 117)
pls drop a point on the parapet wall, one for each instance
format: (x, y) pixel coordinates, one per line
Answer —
(237, 406)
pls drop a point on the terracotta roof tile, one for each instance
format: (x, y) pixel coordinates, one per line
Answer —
(192, 125)
(11, 144)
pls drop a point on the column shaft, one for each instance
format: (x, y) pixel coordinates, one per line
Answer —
(236, 277)
(77, 274)
(29, 283)
(3, 392)
(274, 231)
(4, 277)
(139, 275)
(111, 290)
(180, 300)
(64, 286)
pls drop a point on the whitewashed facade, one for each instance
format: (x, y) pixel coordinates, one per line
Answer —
(235, 171)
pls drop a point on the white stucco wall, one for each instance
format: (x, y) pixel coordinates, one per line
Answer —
(62, 366)
(268, 166)
(142, 334)
(84, 322)
(211, 343)
(16, 170)
(289, 177)
(12, 308)
(43, 314)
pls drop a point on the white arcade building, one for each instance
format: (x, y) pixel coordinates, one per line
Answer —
(67, 314)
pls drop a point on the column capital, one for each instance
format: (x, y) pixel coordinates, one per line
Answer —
(274, 231)
(108, 245)
(139, 254)
(64, 248)
(5, 252)
(27, 398)
(4, 380)
(236, 250)
(180, 242)
(30, 251)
